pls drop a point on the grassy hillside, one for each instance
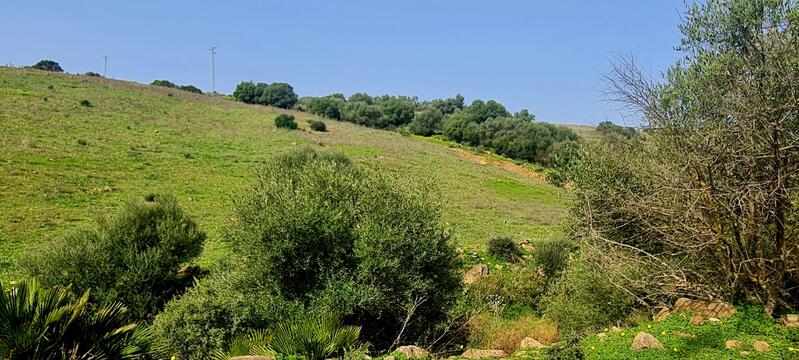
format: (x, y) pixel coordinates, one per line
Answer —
(63, 164)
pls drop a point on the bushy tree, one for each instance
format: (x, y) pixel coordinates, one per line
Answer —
(361, 113)
(447, 106)
(395, 112)
(362, 97)
(353, 243)
(607, 127)
(317, 125)
(47, 65)
(704, 203)
(280, 95)
(286, 121)
(132, 258)
(483, 110)
(190, 88)
(330, 107)
(426, 122)
(164, 83)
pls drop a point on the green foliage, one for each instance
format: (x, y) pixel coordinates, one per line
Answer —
(553, 255)
(395, 112)
(361, 113)
(86, 103)
(253, 343)
(47, 323)
(503, 247)
(47, 65)
(132, 258)
(169, 84)
(426, 123)
(608, 128)
(355, 243)
(331, 107)
(208, 316)
(314, 338)
(317, 125)
(568, 349)
(286, 121)
(512, 292)
(447, 106)
(583, 299)
(280, 95)
(92, 74)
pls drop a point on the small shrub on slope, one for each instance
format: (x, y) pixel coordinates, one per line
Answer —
(317, 125)
(503, 247)
(285, 121)
(131, 258)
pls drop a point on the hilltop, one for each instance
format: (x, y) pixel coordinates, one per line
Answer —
(66, 161)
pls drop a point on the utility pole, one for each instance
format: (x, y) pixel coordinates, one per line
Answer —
(105, 66)
(213, 74)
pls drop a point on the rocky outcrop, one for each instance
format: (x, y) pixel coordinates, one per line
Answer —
(413, 352)
(530, 343)
(645, 341)
(732, 344)
(475, 273)
(790, 320)
(483, 354)
(761, 346)
(713, 309)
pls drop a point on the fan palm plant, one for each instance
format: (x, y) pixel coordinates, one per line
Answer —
(316, 338)
(48, 323)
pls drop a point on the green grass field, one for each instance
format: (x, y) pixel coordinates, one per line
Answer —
(64, 164)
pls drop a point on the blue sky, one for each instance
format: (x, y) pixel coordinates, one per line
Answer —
(546, 56)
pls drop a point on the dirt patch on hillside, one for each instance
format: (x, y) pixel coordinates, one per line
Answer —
(502, 164)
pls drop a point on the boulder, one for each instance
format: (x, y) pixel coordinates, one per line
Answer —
(732, 344)
(662, 315)
(714, 309)
(686, 335)
(644, 341)
(413, 352)
(615, 329)
(790, 320)
(697, 320)
(761, 346)
(483, 354)
(475, 273)
(530, 343)
(744, 353)
(714, 320)
(527, 245)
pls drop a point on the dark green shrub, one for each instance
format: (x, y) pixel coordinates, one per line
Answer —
(209, 315)
(164, 83)
(92, 74)
(47, 65)
(352, 243)
(38, 323)
(86, 103)
(330, 107)
(317, 125)
(568, 349)
(553, 255)
(426, 123)
(83, 142)
(503, 247)
(583, 298)
(190, 88)
(132, 258)
(280, 95)
(285, 121)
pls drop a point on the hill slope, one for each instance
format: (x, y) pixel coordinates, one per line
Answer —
(64, 164)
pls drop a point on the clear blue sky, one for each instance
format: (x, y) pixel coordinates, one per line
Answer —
(546, 56)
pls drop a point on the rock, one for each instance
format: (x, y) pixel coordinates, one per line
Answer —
(601, 337)
(790, 320)
(475, 273)
(686, 335)
(714, 309)
(615, 329)
(732, 344)
(527, 245)
(645, 341)
(252, 357)
(714, 320)
(662, 315)
(744, 353)
(761, 346)
(530, 343)
(413, 352)
(482, 354)
(697, 320)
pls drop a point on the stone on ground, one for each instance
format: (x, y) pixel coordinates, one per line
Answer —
(697, 320)
(732, 344)
(644, 341)
(413, 352)
(761, 346)
(475, 273)
(482, 354)
(530, 343)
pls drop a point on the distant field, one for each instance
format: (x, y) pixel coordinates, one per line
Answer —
(62, 164)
